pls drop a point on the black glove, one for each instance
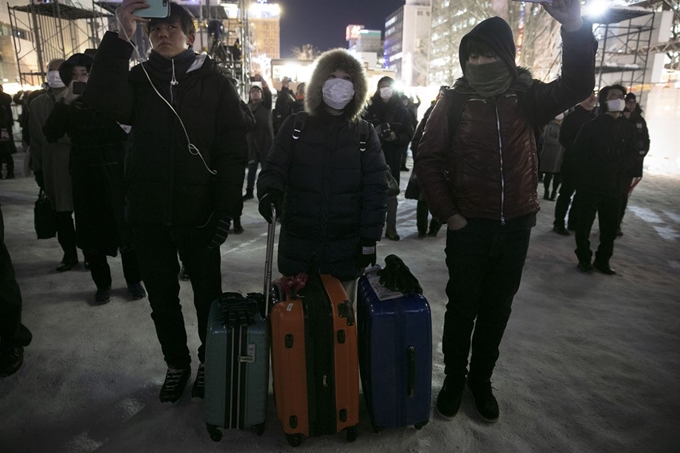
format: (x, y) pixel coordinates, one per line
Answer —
(221, 232)
(366, 255)
(396, 276)
(272, 196)
(39, 179)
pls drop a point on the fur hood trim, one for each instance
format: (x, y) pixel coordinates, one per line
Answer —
(523, 82)
(327, 63)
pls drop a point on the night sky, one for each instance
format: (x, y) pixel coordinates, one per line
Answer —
(322, 22)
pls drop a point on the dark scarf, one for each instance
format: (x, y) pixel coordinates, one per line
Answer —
(161, 67)
(490, 79)
(383, 107)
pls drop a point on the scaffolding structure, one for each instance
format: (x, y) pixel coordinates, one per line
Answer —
(625, 36)
(58, 31)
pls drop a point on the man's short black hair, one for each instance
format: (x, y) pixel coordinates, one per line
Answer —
(178, 15)
(604, 92)
(477, 46)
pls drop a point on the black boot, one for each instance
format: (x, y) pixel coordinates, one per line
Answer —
(484, 401)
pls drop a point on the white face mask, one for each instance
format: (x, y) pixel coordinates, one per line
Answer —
(386, 92)
(337, 93)
(616, 105)
(53, 80)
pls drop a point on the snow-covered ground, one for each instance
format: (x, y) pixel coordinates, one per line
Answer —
(589, 363)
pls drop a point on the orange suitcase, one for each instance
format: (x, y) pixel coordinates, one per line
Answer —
(314, 359)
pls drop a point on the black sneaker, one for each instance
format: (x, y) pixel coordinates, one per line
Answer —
(137, 291)
(561, 230)
(175, 381)
(484, 401)
(67, 264)
(103, 295)
(584, 266)
(198, 390)
(603, 267)
(11, 360)
(449, 399)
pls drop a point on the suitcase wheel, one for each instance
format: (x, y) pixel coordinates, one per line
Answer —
(295, 440)
(215, 434)
(352, 433)
(377, 429)
(259, 429)
(420, 425)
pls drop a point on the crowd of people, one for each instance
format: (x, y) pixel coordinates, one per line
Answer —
(170, 183)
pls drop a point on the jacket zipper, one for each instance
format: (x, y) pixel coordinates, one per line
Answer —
(500, 154)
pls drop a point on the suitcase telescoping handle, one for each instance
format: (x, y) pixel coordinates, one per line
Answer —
(269, 261)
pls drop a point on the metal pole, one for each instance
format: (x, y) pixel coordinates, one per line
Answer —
(37, 44)
(604, 51)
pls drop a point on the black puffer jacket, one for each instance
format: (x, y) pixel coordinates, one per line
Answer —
(568, 132)
(399, 118)
(166, 182)
(334, 193)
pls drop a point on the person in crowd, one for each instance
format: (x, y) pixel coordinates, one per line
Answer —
(250, 122)
(261, 137)
(422, 209)
(604, 152)
(551, 157)
(299, 105)
(583, 112)
(393, 123)
(479, 177)
(96, 162)
(633, 176)
(184, 169)
(7, 147)
(406, 102)
(332, 177)
(50, 164)
(284, 104)
(14, 336)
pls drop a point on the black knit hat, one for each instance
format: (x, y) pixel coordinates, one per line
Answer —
(497, 34)
(77, 59)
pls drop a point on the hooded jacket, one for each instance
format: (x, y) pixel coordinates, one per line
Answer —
(486, 168)
(334, 194)
(166, 182)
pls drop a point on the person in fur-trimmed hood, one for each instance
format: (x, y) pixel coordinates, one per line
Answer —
(477, 165)
(329, 193)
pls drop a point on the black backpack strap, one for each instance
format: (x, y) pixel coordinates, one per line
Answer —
(362, 134)
(299, 124)
(456, 109)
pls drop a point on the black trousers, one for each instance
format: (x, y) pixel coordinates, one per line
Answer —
(485, 270)
(6, 158)
(607, 210)
(101, 272)
(12, 332)
(422, 212)
(157, 247)
(567, 189)
(66, 234)
(556, 179)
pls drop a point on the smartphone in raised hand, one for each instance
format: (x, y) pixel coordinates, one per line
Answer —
(79, 87)
(157, 9)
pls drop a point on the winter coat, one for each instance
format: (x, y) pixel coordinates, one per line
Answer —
(487, 167)
(393, 112)
(334, 194)
(285, 101)
(261, 137)
(604, 151)
(413, 190)
(552, 152)
(52, 159)
(96, 166)
(568, 132)
(643, 142)
(166, 182)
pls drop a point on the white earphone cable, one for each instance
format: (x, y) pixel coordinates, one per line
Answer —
(193, 150)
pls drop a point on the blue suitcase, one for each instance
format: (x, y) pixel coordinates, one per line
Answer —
(395, 354)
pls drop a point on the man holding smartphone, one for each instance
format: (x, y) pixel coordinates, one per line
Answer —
(477, 166)
(184, 169)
